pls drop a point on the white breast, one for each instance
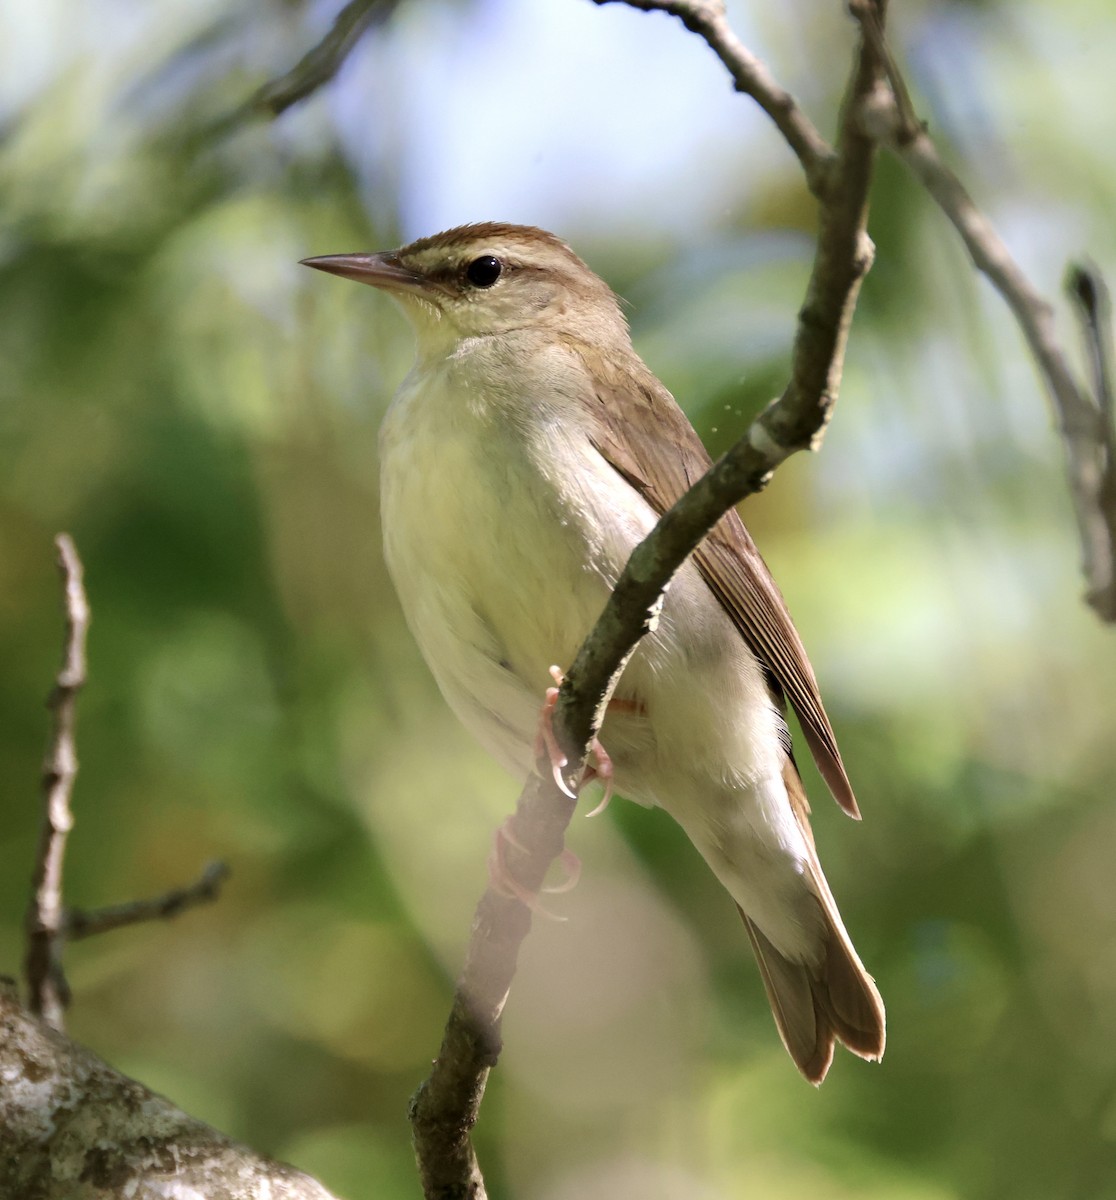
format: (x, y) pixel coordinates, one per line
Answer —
(504, 531)
(494, 585)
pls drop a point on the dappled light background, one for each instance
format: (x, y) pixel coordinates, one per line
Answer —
(201, 414)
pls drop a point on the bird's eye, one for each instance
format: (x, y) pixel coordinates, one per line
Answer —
(484, 271)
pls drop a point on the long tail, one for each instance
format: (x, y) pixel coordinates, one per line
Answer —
(834, 999)
(816, 1006)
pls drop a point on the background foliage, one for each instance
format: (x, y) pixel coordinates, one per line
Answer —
(201, 414)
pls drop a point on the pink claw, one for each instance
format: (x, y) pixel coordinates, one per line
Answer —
(602, 769)
(545, 738)
(605, 800)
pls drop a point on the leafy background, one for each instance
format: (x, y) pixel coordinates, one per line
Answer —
(201, 413)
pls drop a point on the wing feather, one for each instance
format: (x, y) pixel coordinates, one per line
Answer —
(640, 430)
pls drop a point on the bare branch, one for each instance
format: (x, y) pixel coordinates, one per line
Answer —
(1085, 286)
(82, 923)
(313, 71)
(445, 1107)
(889, 117)
(319, 65)
(753, 77)
(842, 259)
(49, 923)
(46, 985)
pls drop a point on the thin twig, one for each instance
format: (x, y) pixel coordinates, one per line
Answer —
(909, 124)
(1086, 287)
(48, 993)
(82, 923)
(311, 73)
(753, 77)
(49, 923)
(1086, 443)
(319, 65)
(446, 1106)
(842, 259)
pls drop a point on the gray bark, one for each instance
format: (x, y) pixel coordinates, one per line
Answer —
(72, 1128)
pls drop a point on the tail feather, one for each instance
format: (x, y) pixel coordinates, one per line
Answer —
(832, 999)
(803, 1025)
(816, 1006)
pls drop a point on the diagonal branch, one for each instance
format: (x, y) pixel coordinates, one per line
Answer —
(753, 77)
(1083, 425)
(446, 1106)
(311, 73)
(320, 64)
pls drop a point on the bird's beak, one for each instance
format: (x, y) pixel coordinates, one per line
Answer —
(379, 270)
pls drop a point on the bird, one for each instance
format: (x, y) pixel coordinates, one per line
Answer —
(523, 457)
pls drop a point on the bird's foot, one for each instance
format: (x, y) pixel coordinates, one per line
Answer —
(505, 884)
(601, 768)
(545, 738)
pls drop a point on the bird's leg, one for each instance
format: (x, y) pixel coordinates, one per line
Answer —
(601, 768)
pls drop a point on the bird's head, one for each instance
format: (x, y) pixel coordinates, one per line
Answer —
(486, 280)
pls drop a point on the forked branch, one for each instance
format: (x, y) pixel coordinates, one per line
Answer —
(49, 923)
(1084, 417)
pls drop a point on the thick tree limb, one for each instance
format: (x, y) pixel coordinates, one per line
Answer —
(446, 1106)
(1083, 423)
(72, 1128)
(46, 984)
